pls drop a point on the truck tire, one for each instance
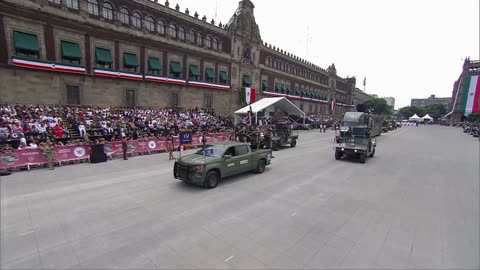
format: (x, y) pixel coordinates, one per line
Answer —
(363, 158)
(260, 166)
(276, 145)
(211, 180)
(293, 143)
(338, 155)
(373, 153)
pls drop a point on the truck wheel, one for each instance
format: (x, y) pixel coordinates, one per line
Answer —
(363, 158)
(211, 180)
(293, 143)
(276, 145)
(373, 153)
(338, 155)
(260, 166)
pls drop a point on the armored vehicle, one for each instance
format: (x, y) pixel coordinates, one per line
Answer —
(354, 119)
(282, 134)
(356, 143)
(215, 161)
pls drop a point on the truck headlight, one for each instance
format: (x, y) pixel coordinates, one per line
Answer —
(199, 169)
(355, 150)
(343, 149)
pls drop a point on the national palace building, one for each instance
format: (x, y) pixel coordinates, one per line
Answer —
(149, 54)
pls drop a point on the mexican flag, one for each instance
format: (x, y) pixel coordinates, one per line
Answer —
(334, 105)
(470, 98)
(248, 95)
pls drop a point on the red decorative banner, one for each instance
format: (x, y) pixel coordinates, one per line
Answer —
(27, 157)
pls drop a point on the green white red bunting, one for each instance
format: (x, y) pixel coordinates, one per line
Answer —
(249, 95)
(470, 98)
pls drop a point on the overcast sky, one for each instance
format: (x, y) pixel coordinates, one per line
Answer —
(406, 49)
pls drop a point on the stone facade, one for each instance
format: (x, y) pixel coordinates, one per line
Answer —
(360, 97)
(166, 34)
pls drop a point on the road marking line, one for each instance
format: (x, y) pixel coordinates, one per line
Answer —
(231, 257)
(25, 233)
(140, 201)
(294, 214)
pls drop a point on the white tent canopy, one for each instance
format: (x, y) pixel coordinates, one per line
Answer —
(279, 103)
(427, 117)
(415, 117)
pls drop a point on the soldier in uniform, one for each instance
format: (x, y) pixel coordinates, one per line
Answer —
(49, 150)
(243, 133)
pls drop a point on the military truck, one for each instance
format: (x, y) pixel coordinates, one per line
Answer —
(356, 143)
(219, 160)
(353, 119)
(282, 135)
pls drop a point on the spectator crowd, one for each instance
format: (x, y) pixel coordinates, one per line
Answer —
(27, 126)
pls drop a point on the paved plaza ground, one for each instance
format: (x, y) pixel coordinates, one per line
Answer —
(414, 205)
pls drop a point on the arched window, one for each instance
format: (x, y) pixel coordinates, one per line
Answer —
(181, 33)
(173, 30)
(209, 42)
(161, 27)
(191, 36)
(137, 19)
(215, 44)
(93, 7)
(107, 11)
(150, 24)
(124, 16)
(276, 64)
(73, 4)
(199, 39)
(267, 61)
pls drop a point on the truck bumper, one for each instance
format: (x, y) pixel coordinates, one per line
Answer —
(350, 151)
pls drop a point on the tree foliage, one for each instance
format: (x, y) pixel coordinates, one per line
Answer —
(378, 106)
(474, 117)
(436, 111)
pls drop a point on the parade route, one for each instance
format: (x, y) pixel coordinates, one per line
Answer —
(414, 205)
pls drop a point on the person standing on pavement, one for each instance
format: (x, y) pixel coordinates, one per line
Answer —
(170, 146)
(49, 150)
(125, 147)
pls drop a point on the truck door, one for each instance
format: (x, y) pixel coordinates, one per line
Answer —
(244, 157)
(230, 165)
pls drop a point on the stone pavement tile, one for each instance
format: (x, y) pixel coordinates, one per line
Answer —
(244, 261)
(59, 257)
(424, 262)
(277, 238)
(356, 260)
(163, 257)
(326, 258)
(400, 239)
(183, 242)
(126, 257)
(353, 229)
(304, 250)
(237, 240)
(50, 236)
(96, 245)
(215, 228)
(77, 230)
(14, 247)
(31, 261)
(263, 254)
(203, 259)
(393, 257)
(340, 242)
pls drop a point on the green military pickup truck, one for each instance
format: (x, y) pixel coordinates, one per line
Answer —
(215, 161)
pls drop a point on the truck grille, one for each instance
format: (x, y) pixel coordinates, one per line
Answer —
(181, 171)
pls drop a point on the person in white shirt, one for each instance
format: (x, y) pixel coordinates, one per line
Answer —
(82, 130)
(33, 145)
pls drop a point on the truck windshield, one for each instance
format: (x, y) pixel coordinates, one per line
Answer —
(349, 123)
(211, 150)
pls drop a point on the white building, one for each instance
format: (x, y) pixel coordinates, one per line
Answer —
(390, 101)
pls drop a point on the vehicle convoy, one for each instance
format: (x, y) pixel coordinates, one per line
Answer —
(219, 160)
(356, 143)
(282, 134)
